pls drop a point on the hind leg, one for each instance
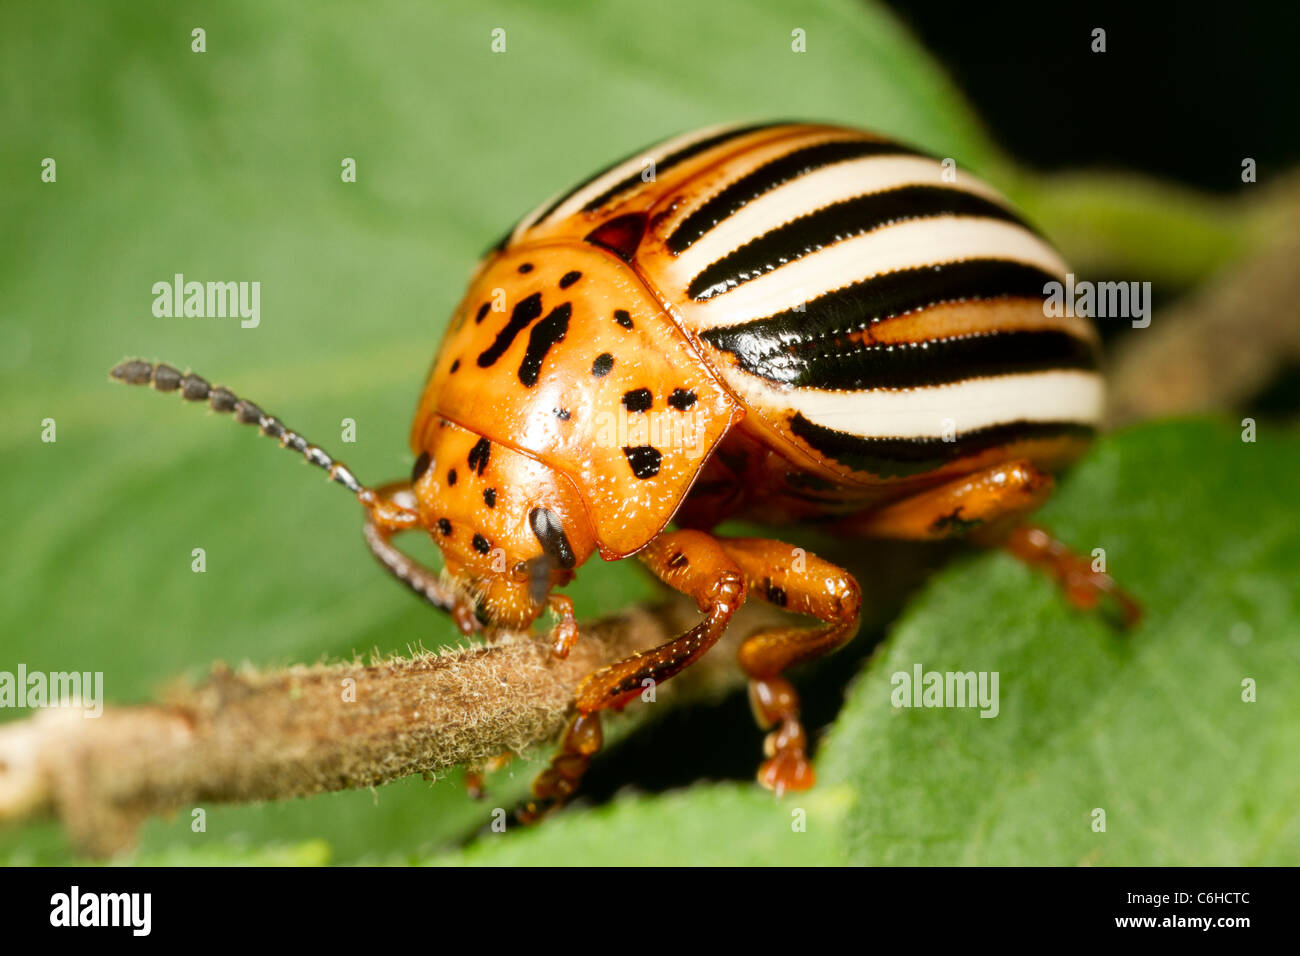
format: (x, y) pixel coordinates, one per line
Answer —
(991, 506)
(803, 583)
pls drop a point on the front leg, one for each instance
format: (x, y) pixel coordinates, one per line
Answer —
(390, 511)
(691, 562)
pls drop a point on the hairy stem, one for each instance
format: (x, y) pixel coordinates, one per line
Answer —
(248, 736)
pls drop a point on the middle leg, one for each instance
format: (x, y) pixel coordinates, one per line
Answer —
(803, 583)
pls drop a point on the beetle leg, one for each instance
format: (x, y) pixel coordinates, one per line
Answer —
(804, 584)
(991, 506)
(691, 562)
(476, 774)
(1083, 586)
(996, 498)
(566, 629)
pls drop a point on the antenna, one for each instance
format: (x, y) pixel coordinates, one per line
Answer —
(192, 388)
(384, 515)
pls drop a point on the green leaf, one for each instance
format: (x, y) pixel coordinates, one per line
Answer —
(225, 165)
(1124, 225)
(708, 825)
(1149, 726)
(309, 853)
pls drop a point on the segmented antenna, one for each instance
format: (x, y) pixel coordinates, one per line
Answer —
(192, 388)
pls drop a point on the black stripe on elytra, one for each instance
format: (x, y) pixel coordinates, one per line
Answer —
(675, 158)
(904, 457)
(769, 176)
(767, 346)
(853, 366)
(523, 313)
(835, 223)
(545, 334)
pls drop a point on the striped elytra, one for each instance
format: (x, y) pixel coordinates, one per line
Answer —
(844, 307)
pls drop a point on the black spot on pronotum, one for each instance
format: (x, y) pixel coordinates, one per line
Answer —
(455, 364)
(521, 316)
(550, 535)
(490, 497)
(644, 460)
(569, 278)
(563, 414)
(482, 313)
(623, 318)
(604, 362)
(444, 526)
(638, 400)
(481, 544)
(451, 477)
(479, 455)
(421, 466)
(681, 399)
(545, 335)
(525, 268)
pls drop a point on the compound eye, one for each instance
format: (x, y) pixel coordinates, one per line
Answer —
(550, 535)
(421, 466)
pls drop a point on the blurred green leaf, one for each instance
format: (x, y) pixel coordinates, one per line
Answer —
(1133, 227)
(1149, 726)
(708, 825)
(310, 853)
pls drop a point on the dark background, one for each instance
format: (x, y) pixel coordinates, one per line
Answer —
(1183, 91)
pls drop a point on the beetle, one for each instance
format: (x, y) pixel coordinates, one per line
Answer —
(786, 322)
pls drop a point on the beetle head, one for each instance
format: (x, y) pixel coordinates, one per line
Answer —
(509, 527)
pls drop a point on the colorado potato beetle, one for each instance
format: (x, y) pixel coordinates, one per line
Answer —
(782, 322)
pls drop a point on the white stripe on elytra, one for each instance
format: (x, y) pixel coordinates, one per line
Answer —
(908, 245)
(633, 166)
(799, 197)
(932, 411)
